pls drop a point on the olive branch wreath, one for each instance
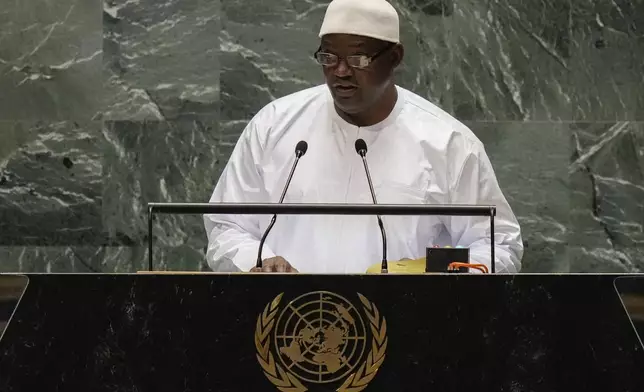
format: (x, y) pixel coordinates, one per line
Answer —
(287, 382)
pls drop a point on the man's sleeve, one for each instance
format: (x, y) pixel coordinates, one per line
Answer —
(475, 183)
(233, 240)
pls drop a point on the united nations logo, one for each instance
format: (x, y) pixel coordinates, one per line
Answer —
(320, 338)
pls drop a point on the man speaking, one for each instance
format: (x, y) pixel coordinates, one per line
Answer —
(417, 153)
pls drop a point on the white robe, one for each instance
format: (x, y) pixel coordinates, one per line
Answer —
(419, 154)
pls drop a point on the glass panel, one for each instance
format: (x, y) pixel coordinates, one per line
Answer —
(631, 292)
(11, 289)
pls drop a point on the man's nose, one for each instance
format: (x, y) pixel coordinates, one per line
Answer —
(342, 70)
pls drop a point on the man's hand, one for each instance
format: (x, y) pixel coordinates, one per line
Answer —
(275, 264)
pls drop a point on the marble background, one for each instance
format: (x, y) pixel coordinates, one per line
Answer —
(105, 107)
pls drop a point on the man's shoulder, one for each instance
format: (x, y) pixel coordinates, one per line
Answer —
(295, 101)
(442, 124)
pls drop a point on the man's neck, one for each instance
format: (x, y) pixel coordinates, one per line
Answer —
(375, 114)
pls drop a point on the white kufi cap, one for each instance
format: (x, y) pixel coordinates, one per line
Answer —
(368, 18)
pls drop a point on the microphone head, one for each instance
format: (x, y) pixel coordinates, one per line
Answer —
(361, 147)
(300, 148)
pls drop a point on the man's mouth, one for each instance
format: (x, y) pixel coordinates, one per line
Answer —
(344, 89)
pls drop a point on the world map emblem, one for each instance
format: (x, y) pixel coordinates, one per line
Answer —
(321, 338)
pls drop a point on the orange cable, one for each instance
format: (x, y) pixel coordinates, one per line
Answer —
(481, 267)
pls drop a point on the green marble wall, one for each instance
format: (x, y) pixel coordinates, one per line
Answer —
(107, 106)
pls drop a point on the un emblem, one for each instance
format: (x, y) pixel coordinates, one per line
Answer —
(320, 338)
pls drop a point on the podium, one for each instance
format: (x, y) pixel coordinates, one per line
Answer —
(195, 331)
(298, 332)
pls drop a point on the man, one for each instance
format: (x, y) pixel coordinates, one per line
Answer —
(417, 154)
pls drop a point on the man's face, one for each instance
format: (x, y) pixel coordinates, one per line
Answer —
(355, 89)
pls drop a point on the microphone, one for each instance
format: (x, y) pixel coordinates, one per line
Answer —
(300, 150)
(361, 149)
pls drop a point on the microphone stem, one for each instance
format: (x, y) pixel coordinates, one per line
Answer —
(366, 169)
(270, 226)
(383, 267)
(288, 180)
(261, 243)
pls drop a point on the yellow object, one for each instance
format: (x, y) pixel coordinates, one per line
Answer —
(416, 266)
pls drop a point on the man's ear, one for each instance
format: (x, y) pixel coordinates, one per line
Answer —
(397, 55)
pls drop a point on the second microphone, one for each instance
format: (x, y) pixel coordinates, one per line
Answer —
(361, 149)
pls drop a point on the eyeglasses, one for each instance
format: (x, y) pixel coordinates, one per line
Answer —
(358, 61)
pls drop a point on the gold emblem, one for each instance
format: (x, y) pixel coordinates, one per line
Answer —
(320, 338)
